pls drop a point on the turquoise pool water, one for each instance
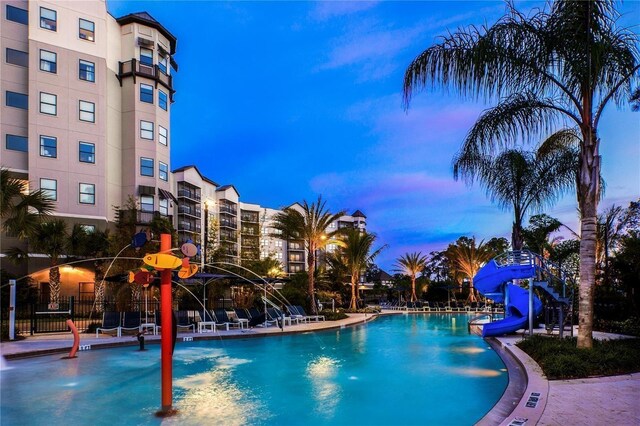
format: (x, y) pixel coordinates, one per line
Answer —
(404, 369)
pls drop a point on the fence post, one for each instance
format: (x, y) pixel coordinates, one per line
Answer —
(12, 309)
(32, 327)
(72, 305)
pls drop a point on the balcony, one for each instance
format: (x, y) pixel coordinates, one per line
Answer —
(248, 217)
(189, 227)
(186, 193)
(228, 209)
(145, 218)
(134, 68)
(226, 223)
(189, 210)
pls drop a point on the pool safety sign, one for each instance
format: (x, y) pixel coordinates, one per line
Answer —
(532, 402)
(518, 421)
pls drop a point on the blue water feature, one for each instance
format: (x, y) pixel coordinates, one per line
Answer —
(491, 281)
(403, 369)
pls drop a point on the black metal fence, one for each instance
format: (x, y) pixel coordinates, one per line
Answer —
(42, 317)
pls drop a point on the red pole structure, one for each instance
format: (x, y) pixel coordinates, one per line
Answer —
(166, 342)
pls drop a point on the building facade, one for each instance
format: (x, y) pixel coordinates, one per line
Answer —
(86, 104)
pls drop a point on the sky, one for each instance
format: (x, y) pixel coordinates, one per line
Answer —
(291, 100)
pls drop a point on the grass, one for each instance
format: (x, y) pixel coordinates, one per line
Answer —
(561, 359)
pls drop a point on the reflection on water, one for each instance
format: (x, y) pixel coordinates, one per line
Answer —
(470, 350)
(323, 372)
(474, 372)
(213, 397)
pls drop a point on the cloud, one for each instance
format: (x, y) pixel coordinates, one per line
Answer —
(326, 10)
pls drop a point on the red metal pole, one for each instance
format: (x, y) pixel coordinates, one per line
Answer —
(166, 343)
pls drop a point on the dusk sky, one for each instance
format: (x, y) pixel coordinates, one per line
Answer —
(289, 100)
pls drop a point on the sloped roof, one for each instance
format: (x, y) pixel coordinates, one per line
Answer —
(358, 213)
(191, 166)
(225, 187)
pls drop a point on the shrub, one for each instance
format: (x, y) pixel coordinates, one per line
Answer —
(333, 316)
(561, 359)
(91, 328)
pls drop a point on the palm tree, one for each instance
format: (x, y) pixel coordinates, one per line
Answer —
(50, 238)
(466, 258)
(21, 210)
(307, 223)
(412, 264)
(355, 249)
(93, 245)
(520, 180)
(562, 65)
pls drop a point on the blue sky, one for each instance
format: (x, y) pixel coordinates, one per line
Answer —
(288, 100)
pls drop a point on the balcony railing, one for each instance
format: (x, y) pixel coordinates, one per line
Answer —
(190, 211)
(249, 218)
(134, 68)
(189, 194)
(144, 218)
(229, 223)
(228, 209)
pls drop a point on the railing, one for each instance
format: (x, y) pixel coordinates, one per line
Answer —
(249, 218)
(229, 224)
(189, 194)
(144, 218)
(133, 68)
(228, 209)
(190, 211)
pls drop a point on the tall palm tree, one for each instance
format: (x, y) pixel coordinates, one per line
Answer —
(563, 63)
(355, 248)
(466, 258)
(520, 180)
(412, 264)
(308, 223)
(21, 210)
(51, 239)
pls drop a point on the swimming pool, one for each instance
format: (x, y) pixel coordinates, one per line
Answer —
(400, 369)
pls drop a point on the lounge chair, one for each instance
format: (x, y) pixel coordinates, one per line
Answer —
(294, 314)
(110, 322)
(302, 312)
(221, 318)
(130, 322)
(182, 321)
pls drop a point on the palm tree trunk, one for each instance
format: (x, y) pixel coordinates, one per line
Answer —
(99, 286)
(517, 241)
(472, 292)
(413, 289)
(354, 294)
(311, 265)
(54, 285)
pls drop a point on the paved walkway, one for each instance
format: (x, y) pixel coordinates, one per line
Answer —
(594, 401)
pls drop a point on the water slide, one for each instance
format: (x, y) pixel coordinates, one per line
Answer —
(490, 280)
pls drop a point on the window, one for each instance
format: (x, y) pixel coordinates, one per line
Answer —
(48, 146)
(17, 143)
(87, 111)
(87, 30)
(87, 193)
(48, 103)
(163, 206)
(18, 15)
(146, 130)
(17, 57)
(87, 71)
(162, 135)
(146, 93)
(162, 100)
(17, 100)
(163, 171)
(146, 203)
(146, 56)
(49, 187)
(87, 152)
(162, 64)
(89, 229)
(48, 19)
(146, 166)
(48, 61)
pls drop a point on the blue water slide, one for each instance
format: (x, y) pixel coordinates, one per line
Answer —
(490, 281)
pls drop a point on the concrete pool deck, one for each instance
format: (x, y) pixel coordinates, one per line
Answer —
(592, 401)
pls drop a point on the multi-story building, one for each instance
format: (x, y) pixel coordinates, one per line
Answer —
(239, 231)
(86, 103)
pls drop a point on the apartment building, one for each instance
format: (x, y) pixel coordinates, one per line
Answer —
(86, 104)
(238, 231)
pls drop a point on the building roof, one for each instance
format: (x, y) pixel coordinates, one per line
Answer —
(191, 166)
(358, 213)
(225, 187)
(148, 20)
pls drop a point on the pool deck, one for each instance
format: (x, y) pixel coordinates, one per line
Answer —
(592, 401)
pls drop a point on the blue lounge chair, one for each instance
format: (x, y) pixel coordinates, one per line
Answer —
(130, 322)
(110, 322)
